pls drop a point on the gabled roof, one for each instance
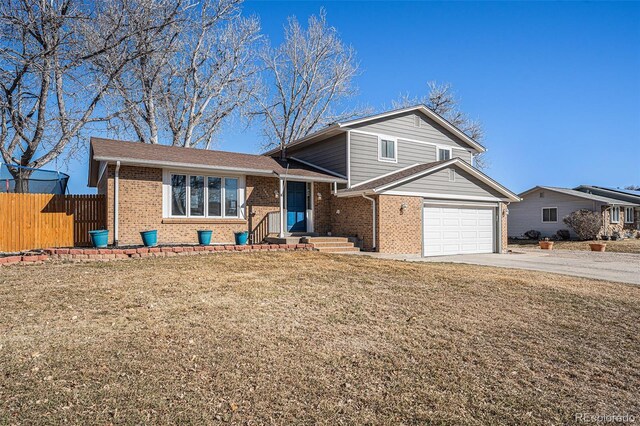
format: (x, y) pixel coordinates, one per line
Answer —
(153, 155)
(616, 193)
(579, 194)
(342, 127)
(416, 171)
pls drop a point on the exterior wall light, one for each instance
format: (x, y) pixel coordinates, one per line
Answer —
(403, 208)
(319, 196)
(276, 194)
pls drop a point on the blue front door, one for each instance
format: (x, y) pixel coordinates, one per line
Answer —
(296, 206)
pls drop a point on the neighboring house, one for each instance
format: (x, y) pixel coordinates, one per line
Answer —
(400, 182)
(543, 207)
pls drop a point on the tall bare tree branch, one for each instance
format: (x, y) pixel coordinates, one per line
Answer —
(442, 100)
(197, 71)
(49, 90)
(308, 77)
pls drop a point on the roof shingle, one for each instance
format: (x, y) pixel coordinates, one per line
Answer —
(115, 150)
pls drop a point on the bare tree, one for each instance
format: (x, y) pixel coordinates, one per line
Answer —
(442, 100)
(633, 187)
(48, 90)
(307, 78)
(200, 72)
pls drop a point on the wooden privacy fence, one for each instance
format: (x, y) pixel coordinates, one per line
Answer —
(33, 221)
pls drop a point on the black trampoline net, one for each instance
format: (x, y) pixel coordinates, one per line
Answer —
(32, 181)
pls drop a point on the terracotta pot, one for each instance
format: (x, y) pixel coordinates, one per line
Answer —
(597, 246)
(546, 245)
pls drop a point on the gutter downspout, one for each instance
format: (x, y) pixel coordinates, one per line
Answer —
(373, 208)
(116, 194)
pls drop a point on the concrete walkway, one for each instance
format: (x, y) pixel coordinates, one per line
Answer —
(618, 267)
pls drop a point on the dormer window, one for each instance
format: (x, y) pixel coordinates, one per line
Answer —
(444, 154)
(387, 149)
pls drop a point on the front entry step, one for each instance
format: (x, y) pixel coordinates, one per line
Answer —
(331, 244)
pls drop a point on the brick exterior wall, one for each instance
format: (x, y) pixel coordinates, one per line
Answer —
(505, 232)
(355, 219)
(322, 208)
(399, 230)
(140, 208)
(622, 228)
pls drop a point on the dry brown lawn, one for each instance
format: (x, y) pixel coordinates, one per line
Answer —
(629, 245)
(310, 338)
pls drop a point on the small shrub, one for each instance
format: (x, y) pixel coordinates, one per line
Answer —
(533, 234)
(585, 223)
(563, 234)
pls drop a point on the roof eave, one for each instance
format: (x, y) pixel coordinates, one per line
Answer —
(178, 165)
(431, 114)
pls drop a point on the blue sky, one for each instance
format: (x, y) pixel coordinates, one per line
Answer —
(556, 85)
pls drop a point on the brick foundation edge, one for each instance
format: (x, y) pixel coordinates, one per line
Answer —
(102, 255)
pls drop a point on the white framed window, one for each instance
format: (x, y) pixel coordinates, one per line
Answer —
(615, 214)
(628, 215)
(387, 149)
(203, 196)
(444, 153)
(549, 214)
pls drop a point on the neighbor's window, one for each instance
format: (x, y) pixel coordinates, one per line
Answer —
(628, 214)
(615, 214)
(178, 195)
(550, 214)
(203, 195)
(444, 154)
(387, 149)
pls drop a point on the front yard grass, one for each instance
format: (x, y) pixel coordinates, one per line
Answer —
(284, 338)
(629, 245)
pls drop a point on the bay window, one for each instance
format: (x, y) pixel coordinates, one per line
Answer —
(196, 207)
(231, 197)
(201, 196)
(178, 195)
(215, 196)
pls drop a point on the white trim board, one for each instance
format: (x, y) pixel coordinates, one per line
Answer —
(188, 166)
(349, 159)
(432, 195)
(400, 138)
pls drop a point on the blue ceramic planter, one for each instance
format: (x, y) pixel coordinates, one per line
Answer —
(241, 237)
(204, 237)
(149, 238)
(99, 238)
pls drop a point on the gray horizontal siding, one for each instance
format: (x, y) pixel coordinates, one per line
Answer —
(527, 214)
(330, 154)
(438, 182)
(403, 126)
(364, 156)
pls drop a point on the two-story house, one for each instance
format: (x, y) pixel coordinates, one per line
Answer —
(398, 182)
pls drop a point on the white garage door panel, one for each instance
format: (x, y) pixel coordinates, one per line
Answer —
(458, 230)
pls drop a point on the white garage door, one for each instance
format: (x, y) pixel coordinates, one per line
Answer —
(457, 230)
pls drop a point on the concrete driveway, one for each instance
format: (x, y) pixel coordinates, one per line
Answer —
(619, 267)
